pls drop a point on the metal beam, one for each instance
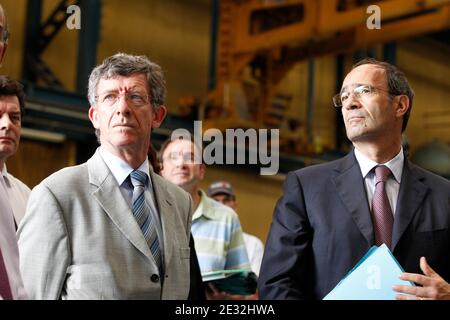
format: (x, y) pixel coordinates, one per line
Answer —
(87, 44)
(215, 11)
(32, 28)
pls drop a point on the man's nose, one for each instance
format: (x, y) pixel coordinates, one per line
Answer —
(5, 122)
(122, 105)
(352, 102)
(179, 162)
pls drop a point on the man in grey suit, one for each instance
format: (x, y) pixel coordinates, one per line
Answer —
(111, 228)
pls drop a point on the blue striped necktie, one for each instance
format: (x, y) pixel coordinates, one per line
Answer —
(144, 218)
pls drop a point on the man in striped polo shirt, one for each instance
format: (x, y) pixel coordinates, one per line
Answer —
(216, 228)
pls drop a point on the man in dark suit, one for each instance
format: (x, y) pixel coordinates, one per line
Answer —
(331, 214)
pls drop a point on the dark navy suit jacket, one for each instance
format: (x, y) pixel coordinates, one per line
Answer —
(322, 227)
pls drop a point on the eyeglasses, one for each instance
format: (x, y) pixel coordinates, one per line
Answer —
(186, 157)
(135, 98)
(360, 91)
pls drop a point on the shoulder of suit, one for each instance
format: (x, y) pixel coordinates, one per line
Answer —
(66, 177)
(317, 170)
(430, 178)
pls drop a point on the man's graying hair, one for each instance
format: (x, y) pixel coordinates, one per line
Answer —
(122, 64)
(396, 82)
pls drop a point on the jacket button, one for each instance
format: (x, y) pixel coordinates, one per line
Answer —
(154, 278)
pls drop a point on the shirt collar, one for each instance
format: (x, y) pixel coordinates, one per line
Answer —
(204, 208)
(4, 171)
(395, 164)
(119, 168)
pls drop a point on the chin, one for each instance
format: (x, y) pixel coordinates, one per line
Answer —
(7, 151)
(124, 141)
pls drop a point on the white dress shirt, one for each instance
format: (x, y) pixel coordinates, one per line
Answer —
(121, 170)
(17, 193)
(393, 182)
(255, 251)
(8, 244)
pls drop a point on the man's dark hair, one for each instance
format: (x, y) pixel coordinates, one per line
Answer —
(11, 87)
(396, 81)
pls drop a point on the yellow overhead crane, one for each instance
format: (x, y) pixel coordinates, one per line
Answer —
(286, 32)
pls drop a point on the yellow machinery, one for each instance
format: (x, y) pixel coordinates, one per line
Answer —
(277, 34)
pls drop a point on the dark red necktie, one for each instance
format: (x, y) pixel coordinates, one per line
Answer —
(5, 289)
(382, 217)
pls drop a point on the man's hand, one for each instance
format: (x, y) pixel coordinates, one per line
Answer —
(433, 286)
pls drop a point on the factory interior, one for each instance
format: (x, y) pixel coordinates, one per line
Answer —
(232, 64)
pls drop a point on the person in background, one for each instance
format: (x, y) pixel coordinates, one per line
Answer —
(223, 192)
(216, 228)
(111, 228)
(13, 193)
(331, 214)
(12, 109)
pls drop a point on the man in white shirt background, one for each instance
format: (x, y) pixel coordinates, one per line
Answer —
(12, 104)
(13, 193)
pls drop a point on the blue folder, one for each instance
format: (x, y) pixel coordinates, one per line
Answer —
(371, 279)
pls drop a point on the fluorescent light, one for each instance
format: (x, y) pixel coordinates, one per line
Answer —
(42, 135)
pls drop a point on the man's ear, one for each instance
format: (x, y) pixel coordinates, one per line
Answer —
(402, 105)
(93, 116)
(158, 116)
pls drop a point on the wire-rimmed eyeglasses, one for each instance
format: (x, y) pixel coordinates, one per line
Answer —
(135, 98)
(359, 91)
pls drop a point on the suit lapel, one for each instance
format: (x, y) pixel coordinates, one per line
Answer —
(165, 208)
(107, 193)
(411, 194)
(350, 188)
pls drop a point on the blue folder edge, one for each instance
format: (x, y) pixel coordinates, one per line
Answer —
(367, 255)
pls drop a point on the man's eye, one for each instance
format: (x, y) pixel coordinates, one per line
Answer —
(363, 90)
(136, 97)
(109, 97)
(344, 96)
(15, 118)
(188, 157)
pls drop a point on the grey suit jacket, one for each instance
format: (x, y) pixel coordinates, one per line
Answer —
(80, 240)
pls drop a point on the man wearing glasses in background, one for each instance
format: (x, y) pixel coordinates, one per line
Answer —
(111, 228)
(331, 214)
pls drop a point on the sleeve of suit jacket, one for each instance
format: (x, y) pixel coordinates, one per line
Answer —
(196, 289)
(283, 273)
(43, 245)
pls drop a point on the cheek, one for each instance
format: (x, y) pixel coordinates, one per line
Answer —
(16, 130)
